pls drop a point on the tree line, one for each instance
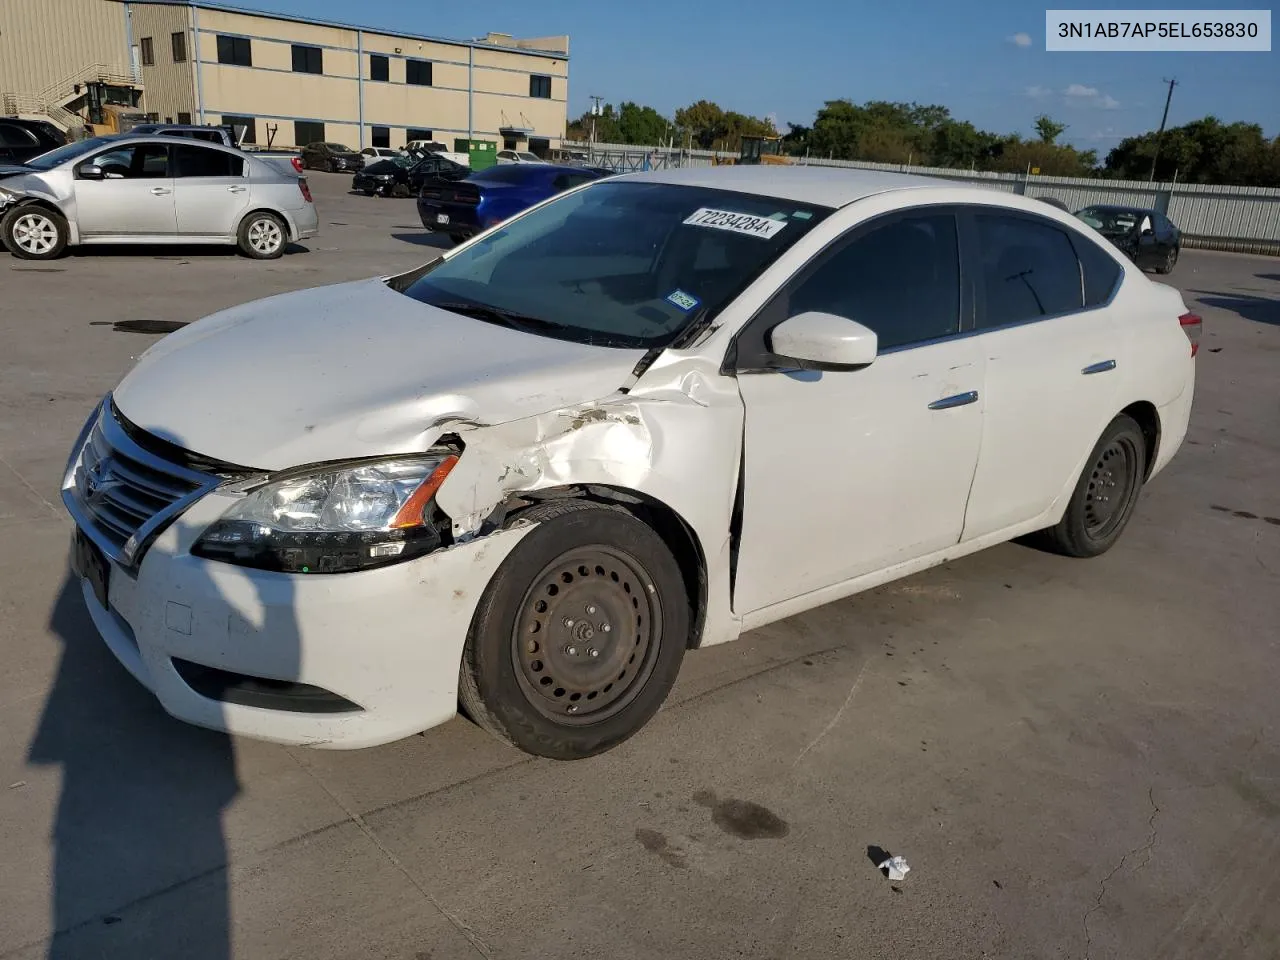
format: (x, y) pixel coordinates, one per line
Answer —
(1202, 151)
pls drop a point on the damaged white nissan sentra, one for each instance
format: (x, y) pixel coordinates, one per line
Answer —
(641, 417)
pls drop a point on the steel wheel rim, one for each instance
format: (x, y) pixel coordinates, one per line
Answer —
(587, 635)
(35, 233)
(1112, 480)
(265, 236)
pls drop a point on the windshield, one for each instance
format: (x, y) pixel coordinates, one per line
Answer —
(1110, 219)
(618, 264)
(339, 148)
(47, 161)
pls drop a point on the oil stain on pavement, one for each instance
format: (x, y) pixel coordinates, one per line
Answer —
(742, 818)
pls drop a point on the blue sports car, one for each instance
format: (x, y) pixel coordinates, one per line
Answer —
(465, 207)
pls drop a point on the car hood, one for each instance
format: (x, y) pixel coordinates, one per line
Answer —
(347, 371)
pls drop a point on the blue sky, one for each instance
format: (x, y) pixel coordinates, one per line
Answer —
(984, 60)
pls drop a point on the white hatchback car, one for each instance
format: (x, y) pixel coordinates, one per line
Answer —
(643, 416)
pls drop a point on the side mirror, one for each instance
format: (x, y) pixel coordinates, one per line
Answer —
(91, 171)
(823, 341)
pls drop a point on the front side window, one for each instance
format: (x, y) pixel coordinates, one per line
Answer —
(14, 136)
(235, 51)
(618, 264)
(418, 72)
(900, 279)
(193, 161)
(142, 161)
(307, 59)
(1027, 268)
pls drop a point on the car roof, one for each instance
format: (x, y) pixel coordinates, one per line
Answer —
(823, 186)
(1118, 208)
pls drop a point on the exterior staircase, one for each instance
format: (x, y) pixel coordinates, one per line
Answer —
(51, 102)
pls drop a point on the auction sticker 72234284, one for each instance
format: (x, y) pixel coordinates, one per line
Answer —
(753, 226)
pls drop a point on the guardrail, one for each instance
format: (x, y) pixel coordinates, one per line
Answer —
(1215, 217)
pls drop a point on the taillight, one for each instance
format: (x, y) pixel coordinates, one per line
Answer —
(306, 191)
(297, 163)
(1191, 324)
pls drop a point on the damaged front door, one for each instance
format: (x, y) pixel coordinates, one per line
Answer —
(849, 472)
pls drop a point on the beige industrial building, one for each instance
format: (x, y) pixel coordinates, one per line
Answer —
(289, 80)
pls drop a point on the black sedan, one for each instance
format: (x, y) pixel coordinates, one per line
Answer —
(383, 176)
(20, 140)
(1148, 237)
(334, 157)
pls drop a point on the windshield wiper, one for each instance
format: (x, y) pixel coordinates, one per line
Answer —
(506, 318)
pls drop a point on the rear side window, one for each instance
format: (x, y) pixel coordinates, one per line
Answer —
(1028, 269)
(12, 135)
(1101, 272)
(901, 279)
(194, 161)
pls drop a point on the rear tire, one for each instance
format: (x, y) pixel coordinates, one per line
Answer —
(1170, 260)
(579, 635)
(263, 236)
(1105, 495)
(33, 232)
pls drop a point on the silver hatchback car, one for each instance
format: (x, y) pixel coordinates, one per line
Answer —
(129, 189)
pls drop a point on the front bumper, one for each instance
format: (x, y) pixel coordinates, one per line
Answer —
(387, 640)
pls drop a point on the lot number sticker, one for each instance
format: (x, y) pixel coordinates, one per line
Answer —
(763, 227)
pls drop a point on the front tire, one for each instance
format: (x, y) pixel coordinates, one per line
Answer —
(579, 636)
(263, 236)
(1105, 495)
(34, 233)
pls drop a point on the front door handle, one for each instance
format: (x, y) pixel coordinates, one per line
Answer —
(160, 191)
(957, 400)
(235, 189)
(1102, 366)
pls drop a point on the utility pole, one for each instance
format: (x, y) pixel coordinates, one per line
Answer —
(1160, 133)
(595, 112)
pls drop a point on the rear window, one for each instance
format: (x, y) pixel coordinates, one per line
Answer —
(1101, 272)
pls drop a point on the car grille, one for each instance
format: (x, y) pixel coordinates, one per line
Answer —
(121, 494)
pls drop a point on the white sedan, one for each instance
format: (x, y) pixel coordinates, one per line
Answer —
(642, 417)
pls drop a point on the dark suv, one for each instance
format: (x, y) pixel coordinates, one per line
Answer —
(334, 157)
(20, 140)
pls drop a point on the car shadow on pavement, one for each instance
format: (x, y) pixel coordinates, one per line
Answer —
(166, 251)
(139, 815)
(1258, 309)
(1268, 276)
(426, 238)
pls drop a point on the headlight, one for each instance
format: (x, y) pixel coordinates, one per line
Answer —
(335, 520)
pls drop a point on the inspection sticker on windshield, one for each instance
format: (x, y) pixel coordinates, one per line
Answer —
(685, 301)
(763, 227)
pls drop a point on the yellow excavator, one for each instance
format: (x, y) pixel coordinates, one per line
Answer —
(755, 151)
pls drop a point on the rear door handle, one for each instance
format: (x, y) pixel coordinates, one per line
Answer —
(236, 189)
(957, 400)
(160, 191)
(1102, 366)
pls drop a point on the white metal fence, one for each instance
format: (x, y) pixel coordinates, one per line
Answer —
(1243, 219)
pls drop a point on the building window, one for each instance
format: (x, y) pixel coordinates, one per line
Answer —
(418, 72)
(382, 136)
(148, 52)
(184, 117)
(307, 59)
(540, 146)
(153, 118)
(414, 133)
(540, 86)
(235, 51)
(179, 47)
(307, 131)
(379, 67)
(237, 123)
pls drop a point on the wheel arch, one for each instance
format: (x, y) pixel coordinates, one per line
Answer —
(1146, 415)
(674, 530)
(290, 227)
